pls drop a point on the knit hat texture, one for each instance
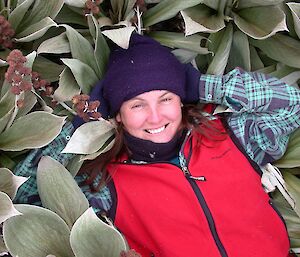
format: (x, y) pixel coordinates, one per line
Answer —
(144, 66)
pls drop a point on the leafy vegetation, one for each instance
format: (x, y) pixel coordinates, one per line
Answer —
(53, 51)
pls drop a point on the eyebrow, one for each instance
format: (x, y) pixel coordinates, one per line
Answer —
(166, 93)
(142, 99)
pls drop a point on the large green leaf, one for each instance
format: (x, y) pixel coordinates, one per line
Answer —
(281, 48)
(74, 165)
(36, 30)
(9, 183)
(18, 13)
(30, 58)
(106, 147)
(293, 186)
(40, 10)
(81, 48)
(287, 74)
(92, 237)
(2, 4)
(102, 50)
(290, 217)
(217, 5)
(7, 103)
(256, 22)
(240, 52)
(178, 40)
(3, 63)
(289, 20)
(59, 192)
(7, 209)
(220, 45)
(70, 15)
(256, 62)
(7, 162)
(5, 86)
(34, 130)
(295, 9)
(201, 18)
(128, 7)
(68, 87)
(5, 119)
(184, 56)
(76, 3)
(117, 8)
(165, 10)
(291, 157)
(251, 3)
(29, 102)
(48, 70)
(3, 249)
(37, 232)
(120, 36)
(55, 45)
(89, 137)
(84, 74)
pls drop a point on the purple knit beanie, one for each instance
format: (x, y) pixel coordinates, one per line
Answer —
(144, 66)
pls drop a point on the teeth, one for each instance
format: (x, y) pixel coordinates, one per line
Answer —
(155, 131)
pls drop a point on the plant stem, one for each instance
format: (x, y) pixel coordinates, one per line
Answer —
(8, 8)
(67, 108)
(40, 99)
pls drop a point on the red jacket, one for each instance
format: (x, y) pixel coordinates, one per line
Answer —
(214, 207)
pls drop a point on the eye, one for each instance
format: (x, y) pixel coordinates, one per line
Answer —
(166, 99)
(136, 106)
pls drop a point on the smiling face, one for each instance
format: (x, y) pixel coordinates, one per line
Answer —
(154, 116)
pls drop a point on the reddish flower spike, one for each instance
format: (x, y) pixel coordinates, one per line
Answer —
(93, 105)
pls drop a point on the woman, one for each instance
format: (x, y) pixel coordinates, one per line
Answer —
(180, 181)
(179, 185)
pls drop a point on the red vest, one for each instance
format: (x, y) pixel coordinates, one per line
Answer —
(164, 213)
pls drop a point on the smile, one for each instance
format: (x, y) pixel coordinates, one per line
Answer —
(155, 131)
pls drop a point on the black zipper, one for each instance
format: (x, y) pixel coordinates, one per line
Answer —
(192, 180)
(208, 216)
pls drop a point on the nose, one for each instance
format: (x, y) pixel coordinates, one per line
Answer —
(154, 114)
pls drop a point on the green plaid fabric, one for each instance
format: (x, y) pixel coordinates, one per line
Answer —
(28, 193)
(265, 112)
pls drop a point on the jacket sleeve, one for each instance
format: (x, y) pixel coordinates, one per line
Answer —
(28, 192)
(264, 109)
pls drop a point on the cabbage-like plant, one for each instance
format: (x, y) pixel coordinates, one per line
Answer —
(65, 227)
(51, 55)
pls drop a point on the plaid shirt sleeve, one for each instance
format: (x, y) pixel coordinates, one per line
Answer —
(264, 109)
(28, 192)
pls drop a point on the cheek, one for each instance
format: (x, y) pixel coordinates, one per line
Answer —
(133, 121)
(175, 114)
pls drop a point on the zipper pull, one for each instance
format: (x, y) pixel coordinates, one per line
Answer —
(188, 174)
(185, 171)
(200, 178)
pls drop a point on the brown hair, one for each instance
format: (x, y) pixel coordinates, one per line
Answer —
(192, 118)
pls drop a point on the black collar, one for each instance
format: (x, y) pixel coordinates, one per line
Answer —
(148, 151)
